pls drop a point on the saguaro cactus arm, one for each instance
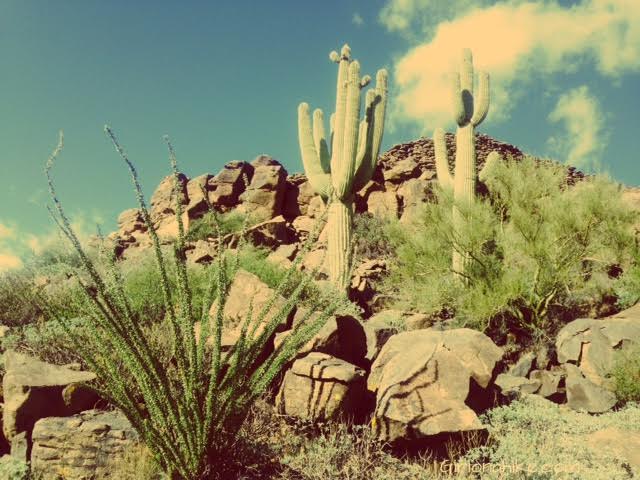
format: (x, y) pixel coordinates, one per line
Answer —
(481, 101)
(442, 162)
(319, 178)
(371, 129)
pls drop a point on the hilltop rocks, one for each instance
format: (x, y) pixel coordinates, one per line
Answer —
(263, 198)
(34, 390)
(80, 447)
(163, 205)
(422, 379)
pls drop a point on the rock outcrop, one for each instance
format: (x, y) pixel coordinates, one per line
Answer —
(80, 447)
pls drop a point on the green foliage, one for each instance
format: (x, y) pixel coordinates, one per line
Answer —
(185, 399)
(371, 236)
(540, 251)
(533, 432)
(13, 469)
(46, 340)
(627, 288)
(205, 227)
(626, 375)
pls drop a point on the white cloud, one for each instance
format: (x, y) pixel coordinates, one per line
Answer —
(9, 261)
(357, 20)
(516, 43)
(408, 17)
(584, 136)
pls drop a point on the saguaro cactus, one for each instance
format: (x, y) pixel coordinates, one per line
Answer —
(339, 174)
(469, 111)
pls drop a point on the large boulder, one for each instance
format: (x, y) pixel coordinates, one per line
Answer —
(227, 186)
(34, 389)
(298, 195)
(587, 348)
(423, 378)
(163, 206)
(320, 387)
(80, 447)
(264, 197)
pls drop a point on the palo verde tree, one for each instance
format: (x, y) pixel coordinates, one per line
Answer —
(339, 174)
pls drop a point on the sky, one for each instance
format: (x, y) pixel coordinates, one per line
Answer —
(224, 78)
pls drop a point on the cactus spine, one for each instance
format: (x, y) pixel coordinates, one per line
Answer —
(338, 174)
(469, 111)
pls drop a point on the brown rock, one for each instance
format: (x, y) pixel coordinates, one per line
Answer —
(319, 387)
(422, 381)
(33, 390)
(80, 447)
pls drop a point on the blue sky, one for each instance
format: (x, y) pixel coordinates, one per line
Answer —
(224, 78)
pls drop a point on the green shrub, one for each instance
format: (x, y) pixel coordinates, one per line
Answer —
(205, 227)
(13, 469)
(187, 409)
(371, 236)
(541, 252)
(626, 375)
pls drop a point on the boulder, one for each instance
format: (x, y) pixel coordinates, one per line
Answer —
(591, 344)
(284, 255)
(197, 188)
(383, 204)
(342, 336)
(248, 291)
(402, 170)
(80, 447)
(131, 221)
(584, 395)
(264, 197)
(422, 382)
(33, 390)
(273, 232)
(511, 385)
(163, 205)
(202, 252)
(320, 387)
(298, 195)
(227, 186)
(523, 366)
(363, 290)
(413, 194)
(551, 382)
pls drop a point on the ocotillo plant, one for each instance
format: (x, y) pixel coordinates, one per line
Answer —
(339, 174)
(469, 111)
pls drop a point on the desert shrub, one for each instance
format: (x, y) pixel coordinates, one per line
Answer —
(534, 438)
(626, 374)
(371, 236)
(15, 307)
(205, 226)
(627, 288)
(541, 252)
(47, 340)
(13, 469)
(188, 410)
(136, 463)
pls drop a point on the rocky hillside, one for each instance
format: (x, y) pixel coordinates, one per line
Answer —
(403, 180)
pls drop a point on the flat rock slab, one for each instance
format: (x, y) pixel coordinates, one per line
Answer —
(33, 390)
(80, 447)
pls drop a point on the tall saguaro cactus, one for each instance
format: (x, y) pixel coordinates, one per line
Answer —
(339, 174)
(469, 111)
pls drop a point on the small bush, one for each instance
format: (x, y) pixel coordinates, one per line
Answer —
(13, 469)
(135, 464)
(534, 438)
(205, 227)
(626, 375)
(372, 238)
